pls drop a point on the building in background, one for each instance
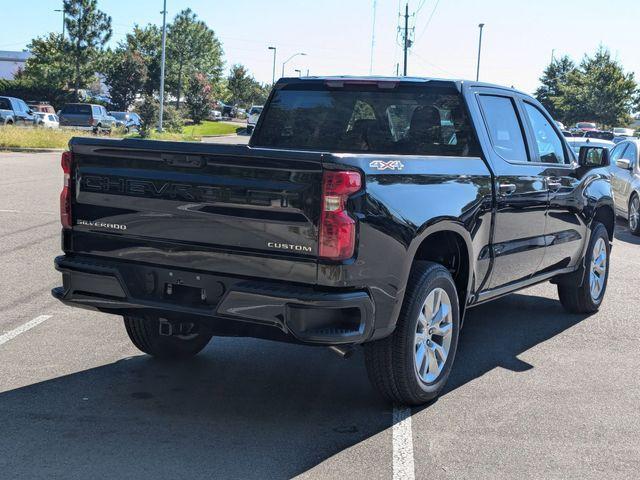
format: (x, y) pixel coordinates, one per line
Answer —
(11, 62)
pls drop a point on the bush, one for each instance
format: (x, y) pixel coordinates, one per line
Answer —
(173, 121)
(149, 112)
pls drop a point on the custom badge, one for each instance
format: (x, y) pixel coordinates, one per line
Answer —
(390, 165)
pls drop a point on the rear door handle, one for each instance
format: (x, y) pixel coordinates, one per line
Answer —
(507, 188)
(553, 184)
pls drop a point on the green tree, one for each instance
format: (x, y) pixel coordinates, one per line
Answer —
(553, 77)
(147, 41)
(125, 74)
(191, 47)
(244, 89)
(599, 90)
(199, 98)
(48, 64)
(89, 30)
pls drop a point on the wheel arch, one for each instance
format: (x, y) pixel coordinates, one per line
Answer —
(448, 243)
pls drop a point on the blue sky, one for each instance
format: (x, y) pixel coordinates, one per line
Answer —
(518, 39)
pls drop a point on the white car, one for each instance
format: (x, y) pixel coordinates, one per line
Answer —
(576, 142)
(623, 132)
(46, 120)
(254, 114)
(215, 115)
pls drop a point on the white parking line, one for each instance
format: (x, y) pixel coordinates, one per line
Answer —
(403, 468)
(11, 334)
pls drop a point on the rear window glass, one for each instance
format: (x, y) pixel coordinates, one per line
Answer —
(77, 110)
(256, 111)
(421, 120)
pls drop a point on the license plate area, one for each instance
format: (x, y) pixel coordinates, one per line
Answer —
(184, 294)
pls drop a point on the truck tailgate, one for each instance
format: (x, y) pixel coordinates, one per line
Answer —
(207, 207)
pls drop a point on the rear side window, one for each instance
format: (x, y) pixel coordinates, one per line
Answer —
(504, 127)
(549, 143)
(406, 119)
(5, 104)
(76, 110)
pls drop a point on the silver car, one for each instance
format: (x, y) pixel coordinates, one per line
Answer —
(625, 180)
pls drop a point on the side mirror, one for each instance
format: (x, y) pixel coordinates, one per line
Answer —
(593, 157)
(623, 163)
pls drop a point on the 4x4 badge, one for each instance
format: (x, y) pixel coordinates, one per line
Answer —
(390, 165)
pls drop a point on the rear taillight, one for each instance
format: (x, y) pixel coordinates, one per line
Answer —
(337, 229)
(65, 195)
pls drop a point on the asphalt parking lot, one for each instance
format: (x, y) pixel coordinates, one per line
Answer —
(535, 392)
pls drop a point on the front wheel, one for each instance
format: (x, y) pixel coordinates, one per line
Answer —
(584, 292)
(156, 337)
(634, 215)
(411, 366)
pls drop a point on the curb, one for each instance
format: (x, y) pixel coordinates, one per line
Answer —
(31, 150)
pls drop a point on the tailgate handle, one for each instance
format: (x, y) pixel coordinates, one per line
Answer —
(191, 161)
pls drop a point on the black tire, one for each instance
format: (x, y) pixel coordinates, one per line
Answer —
(144, 332)
(635, 200)
(575, 291)
(391, 362)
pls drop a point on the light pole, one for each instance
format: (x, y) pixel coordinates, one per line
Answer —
(299, 72)
(63, 19)
(290, 58)
(273, 77)
(162, 62)
(480, 26)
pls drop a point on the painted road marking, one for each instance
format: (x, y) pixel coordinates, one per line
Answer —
(403, 468)
(4, 338)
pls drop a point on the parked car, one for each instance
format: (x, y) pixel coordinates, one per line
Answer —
(85, 116)
(47, 120)
(128, 121)
(14, 111)
(601, 134)
(625, 179)
(576, 143)
(43, 107)
(586, 126)
(215, 115)
(353, 231)
(560, 125)
(623, 132)
(254, 115)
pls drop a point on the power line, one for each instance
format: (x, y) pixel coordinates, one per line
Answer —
(428, 21)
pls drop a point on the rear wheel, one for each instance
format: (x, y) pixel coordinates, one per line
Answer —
(156, 337)
(413, 364)
(634, 215)
(587, 297)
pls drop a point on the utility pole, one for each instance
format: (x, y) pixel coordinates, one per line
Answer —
(162, 63)
(481, 26)
(553, 56)
(407, 42)
(273, 77)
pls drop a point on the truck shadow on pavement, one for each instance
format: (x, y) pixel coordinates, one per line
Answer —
(243, 409)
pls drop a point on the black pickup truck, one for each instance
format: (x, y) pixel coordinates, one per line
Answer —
(364, 211)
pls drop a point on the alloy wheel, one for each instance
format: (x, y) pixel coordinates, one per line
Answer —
(598, 270)
(634, 214)
(434, 331)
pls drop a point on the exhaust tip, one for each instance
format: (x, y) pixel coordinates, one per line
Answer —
(343, 352)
